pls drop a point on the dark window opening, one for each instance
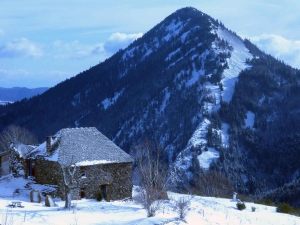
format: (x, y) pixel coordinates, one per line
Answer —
(82, 173)
(31, 167)
(82, 193)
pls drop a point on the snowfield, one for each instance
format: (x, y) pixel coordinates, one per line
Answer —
(202, 210)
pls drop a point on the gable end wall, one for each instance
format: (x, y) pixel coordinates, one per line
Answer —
(117, 175)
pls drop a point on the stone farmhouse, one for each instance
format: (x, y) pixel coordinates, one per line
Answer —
(101, 166)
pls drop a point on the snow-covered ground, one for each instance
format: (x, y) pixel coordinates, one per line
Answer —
(249, 121)
(202, 210)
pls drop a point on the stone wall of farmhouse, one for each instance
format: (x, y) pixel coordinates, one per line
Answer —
(47, 172)
(117, 177)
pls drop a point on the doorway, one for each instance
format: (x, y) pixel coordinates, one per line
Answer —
(105, 190)
(31, 167)
(82, 193)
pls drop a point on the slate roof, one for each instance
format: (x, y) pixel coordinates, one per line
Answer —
(22, 149)
(86, 146)
(4, 153)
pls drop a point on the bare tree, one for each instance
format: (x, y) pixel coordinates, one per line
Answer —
(15, 133)
(153, 175)
(182, 206)
(70, 181)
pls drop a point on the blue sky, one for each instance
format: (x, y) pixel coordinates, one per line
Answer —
(43, 42)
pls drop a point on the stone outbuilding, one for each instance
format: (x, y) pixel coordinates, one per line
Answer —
(101, 166)
(4, 163)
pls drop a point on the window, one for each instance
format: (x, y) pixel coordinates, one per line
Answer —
(82, 173)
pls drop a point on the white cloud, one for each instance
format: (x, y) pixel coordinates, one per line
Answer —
(280, 47)
(20, 47)
(14, 73)
(76, 50)
(119, 41)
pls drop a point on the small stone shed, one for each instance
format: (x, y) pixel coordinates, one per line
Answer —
(4, 163)
(101, 165)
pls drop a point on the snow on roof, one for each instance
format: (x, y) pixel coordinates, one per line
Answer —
(22, 149)
(4, 153)
(83, 146)
(41, 151)
(94, 162)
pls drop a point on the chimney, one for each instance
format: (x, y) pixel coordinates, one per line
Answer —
(50, 142)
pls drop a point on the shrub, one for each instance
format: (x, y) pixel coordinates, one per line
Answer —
(99, 196)
(265, 201)
(182, 206)
(285, 208)
(211, 183)
(245, 198)
(241, 205)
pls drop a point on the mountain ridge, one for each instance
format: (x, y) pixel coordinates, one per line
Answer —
(18, 93)
(213, 101)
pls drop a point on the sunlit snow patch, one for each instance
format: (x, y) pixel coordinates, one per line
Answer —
(110, 101)
(236, 63)
(225, 135)
(249, 121)
(207, 157)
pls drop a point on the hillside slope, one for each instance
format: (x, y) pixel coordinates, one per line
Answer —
(211, 99)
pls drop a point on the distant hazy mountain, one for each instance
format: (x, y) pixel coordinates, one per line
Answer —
(18, 93)
(213, 101)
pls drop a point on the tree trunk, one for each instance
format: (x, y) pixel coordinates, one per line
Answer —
(68, 197)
